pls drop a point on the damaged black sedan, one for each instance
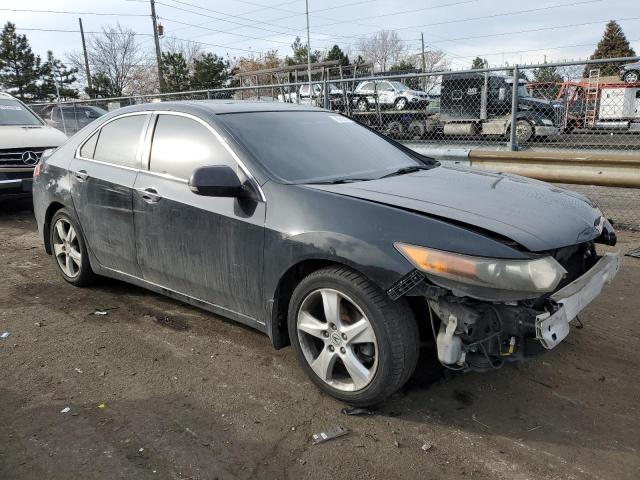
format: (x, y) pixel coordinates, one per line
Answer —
(325, 235)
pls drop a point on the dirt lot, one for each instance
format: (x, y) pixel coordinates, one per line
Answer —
(190, 396)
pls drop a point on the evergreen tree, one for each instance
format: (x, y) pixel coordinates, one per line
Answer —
(54, 72)
(614, 44)
(300, 54)
(405, 66)
(209, 71)
(101, 87)
(336, 53)
(548, 75)
(19, 67)
(175, 72)
(479, 63)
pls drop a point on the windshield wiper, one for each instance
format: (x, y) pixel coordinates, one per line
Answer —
(404, 170)
(338, 181)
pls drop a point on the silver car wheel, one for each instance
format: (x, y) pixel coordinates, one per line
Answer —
(66, 248)
(401, 103)
(632, 77)
(337, 340)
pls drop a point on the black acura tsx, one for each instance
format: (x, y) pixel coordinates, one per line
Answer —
(325, 235)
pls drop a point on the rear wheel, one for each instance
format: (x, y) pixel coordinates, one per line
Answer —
(69, 250)
(351, 339)
(362, 105)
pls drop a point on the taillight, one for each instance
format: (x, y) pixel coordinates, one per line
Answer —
(36, 170)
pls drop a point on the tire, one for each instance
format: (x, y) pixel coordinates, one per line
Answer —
(632, 76)
(400, 103)
(416, 130)
(395, 129)
(524, 131)
(69, 251)
(377, 338)
(362, 105)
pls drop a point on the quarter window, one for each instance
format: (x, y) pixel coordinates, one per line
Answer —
(118, 141)
(89, 147)
(180, 145)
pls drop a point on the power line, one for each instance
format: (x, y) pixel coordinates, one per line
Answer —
(67, 12)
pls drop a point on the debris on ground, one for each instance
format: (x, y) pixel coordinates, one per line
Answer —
(65, 410)
(396, 443)
(634, 253)
(78, 370)
(330, 434)
(475, 419)
(427, 447)
(5, 335)
(100, 312)
(358, 411)
(101, 406)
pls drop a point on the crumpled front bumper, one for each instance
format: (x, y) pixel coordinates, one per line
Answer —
(546, 131)
(551, 329)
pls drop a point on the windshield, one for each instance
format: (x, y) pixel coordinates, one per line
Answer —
(523, 91)
(399, 86)
(313, 147)
(12, 112)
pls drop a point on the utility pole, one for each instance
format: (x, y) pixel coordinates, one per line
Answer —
(309, 53)
(157, 41)
(86, 57)
(424, 63)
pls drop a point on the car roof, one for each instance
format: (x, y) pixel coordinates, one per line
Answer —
(221, 106)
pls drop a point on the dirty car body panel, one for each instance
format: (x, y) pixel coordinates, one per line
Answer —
(238, 256)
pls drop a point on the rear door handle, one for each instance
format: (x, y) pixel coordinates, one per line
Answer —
(81, 175)
(149, 195)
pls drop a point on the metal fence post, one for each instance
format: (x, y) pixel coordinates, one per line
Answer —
(325, 94)
(208, 94)
(513, 139)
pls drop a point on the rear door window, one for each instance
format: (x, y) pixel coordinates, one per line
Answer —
(119, 140)
(89, 147)
(181, 144)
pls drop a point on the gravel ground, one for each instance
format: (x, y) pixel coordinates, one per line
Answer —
(157, 389)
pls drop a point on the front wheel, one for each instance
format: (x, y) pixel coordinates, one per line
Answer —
(362, 105)
(524, 131)
(352, 341)
(400, 103)
(632, 77)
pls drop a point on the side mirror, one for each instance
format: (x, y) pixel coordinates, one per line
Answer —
(217, 181)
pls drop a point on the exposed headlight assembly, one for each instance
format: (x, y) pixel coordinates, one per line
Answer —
(486, 278)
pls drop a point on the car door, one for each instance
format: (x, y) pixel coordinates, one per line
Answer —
(102, 177)
(386, 93)
(209, 248)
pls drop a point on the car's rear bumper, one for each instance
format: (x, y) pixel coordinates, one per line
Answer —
(551, 329)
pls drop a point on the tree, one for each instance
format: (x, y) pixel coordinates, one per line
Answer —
(20, 68)
(300, 54)
(336, 53)
(613, 44)
(175, 72)
(479, 63)
(56, 74)
(209, 71)
(405, 66)
(552, 77)
(116, 54)
(101, 87)
(383, 49)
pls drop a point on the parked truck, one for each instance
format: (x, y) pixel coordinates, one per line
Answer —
(480, 104)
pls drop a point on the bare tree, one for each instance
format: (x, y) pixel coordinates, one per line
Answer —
(117, 55)
(434, 61)
(384, 49)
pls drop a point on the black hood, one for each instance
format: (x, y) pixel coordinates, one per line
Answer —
(537, 215)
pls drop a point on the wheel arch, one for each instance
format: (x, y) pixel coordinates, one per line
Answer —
(277, 319)
(51, 211)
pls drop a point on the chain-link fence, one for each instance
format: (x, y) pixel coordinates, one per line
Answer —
(561, 107)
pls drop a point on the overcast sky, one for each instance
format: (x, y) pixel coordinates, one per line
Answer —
(510, 32)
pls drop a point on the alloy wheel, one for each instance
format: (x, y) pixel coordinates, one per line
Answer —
(337, 340)
(401, 103)
(66, 248)
(632, 77)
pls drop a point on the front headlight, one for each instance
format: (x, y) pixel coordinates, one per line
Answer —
(546, 121)
(533, 276)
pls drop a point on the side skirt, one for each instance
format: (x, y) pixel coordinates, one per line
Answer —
(218, 310)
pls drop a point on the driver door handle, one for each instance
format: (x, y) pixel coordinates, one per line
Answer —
(81, 175)
(149, 194)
